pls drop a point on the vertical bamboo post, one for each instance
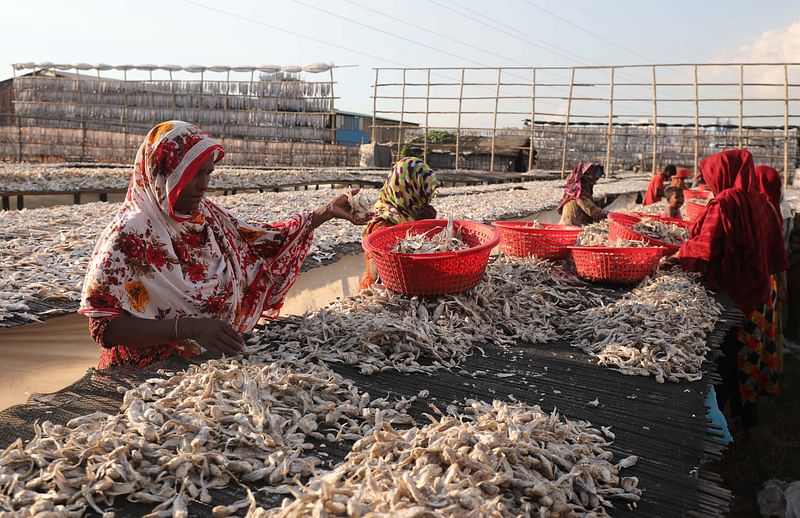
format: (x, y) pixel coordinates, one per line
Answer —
(402, 115)
(125, 108)
(740, 138)
(785, 125)
(566, 124)
(696, 124)
(83, 113)
(373, 135)
(332, 108)
(531, 147)
(201, 90)
(250, 127)
(225, 107)
(655, 124)
(494, 117)
(427, 109)
(458, 122)
(610, 129)
(172, 90)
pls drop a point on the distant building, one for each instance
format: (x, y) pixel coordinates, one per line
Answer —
(354, 129)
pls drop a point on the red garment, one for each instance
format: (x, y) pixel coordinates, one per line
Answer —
(770, 185)
(683, 173)
(677, 182)
(737, 243)
(655, 190)
(580, 183)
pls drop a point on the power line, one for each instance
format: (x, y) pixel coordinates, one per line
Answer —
(436, 33)
(293, 33)
(587, 31)
(502, 31)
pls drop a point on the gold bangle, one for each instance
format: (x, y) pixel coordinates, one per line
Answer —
(177, 339)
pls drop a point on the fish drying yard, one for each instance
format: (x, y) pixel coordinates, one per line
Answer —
(394, 390)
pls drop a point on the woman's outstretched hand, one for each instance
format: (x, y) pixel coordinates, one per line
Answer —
(339, 208)
(668, 263)
(214, 335)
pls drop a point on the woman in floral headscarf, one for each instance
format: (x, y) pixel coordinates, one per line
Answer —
(173, 270)
(405, 196)
(577, 206)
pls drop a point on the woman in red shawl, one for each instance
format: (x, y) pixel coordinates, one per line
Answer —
(737, 246)
(577, 207)
(174, 272)
(655, 190)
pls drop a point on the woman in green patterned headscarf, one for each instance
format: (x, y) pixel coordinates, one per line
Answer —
(405, 196)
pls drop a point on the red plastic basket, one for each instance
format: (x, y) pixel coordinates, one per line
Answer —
(694, 210)
(619, 231)
(545, 240)
(625, 219)
(431, 274)
(696, 194)
(615, 265)
(675, 221)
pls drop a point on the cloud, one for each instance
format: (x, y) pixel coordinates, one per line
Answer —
(777, 45)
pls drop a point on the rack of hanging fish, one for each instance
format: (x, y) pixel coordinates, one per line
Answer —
(46, 251)
(401, 405)
(239, 104)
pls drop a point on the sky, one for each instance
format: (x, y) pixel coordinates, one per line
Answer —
(426, 33)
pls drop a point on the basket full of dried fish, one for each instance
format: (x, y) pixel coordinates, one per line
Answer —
(618, 265)
(695, 209)
(432, 257)
(543, 240)
(624, 218)
(654, 232)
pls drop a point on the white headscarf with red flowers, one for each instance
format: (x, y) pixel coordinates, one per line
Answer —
(153, 263)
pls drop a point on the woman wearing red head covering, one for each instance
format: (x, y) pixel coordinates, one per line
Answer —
(655, 189)
(737, 246)
(174, 271)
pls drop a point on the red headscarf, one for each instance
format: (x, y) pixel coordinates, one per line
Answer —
(737, 243)
(770, 184)
(655, 189)
(580, 183)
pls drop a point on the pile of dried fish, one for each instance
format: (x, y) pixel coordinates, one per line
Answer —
(669, 233)
(596, 234)
(495, 460)
(448, 239)
(377, 330)
(175, 439)
(657, 329)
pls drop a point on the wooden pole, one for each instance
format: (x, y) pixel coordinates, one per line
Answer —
(566, 124)
(225, 108)
(741, 107)
(373, 134)
(427, 109)
(531, 147)
(785, 126)
(402, 116)
(83, 114)
(696, 124)
(610, 129)
(655, 124)
(458, 123)
(333, 110)
(494, 117)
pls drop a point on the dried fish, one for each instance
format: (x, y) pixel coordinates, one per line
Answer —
(177, 438)
(432, 242)
(378, 330)
(669, 233)
(657, 329)
(496, 459)
(360, 205)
